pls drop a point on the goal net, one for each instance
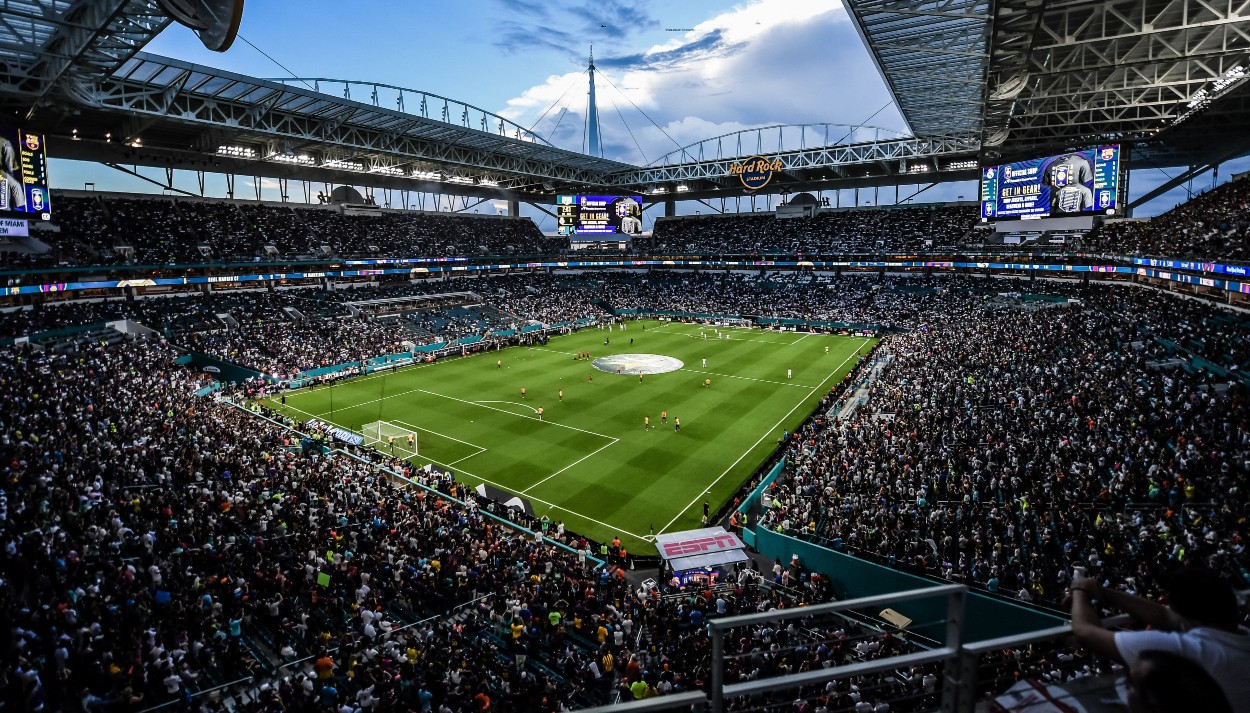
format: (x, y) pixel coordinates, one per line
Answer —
(390, 438)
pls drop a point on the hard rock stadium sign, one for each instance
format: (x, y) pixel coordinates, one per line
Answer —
(755, 172)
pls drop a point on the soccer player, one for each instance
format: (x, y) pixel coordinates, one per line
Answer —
(590, 377)
(640, 377)
(704, 362)
(676, 424)
(390, 441)
(789, 374)
(664, 417)
(412, 441)
(522, 392)
(707, 383)
(826, 348)
(540, 413)
(499, 363)
(562, 395)
(646, 423)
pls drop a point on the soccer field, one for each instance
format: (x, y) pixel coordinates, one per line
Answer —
(589, 461)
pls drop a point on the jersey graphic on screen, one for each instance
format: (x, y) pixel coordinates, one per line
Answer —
(1074, 199)
(12, 192)
(1070, 169)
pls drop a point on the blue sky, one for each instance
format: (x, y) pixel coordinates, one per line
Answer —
(671, 73)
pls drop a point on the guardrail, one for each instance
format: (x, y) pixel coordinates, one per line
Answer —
(964, 682)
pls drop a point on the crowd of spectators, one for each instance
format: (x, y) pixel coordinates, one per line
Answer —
(1213, 226)
(180, 543)
(829, 232)
(282, 349)
(163, 230)
(158, 546)
(1013, 448)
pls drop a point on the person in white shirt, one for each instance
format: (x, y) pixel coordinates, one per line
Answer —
(1200, 623)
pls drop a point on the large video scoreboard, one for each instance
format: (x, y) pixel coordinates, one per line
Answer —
(599, 215)
(1076, 183)
(23, 175)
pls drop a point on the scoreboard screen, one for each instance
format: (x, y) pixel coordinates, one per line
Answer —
(23, 175)
(1075, 183)
(599, 215)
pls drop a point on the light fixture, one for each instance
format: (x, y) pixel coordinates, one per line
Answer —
(300, 159)
(236, 151)
(343, 164)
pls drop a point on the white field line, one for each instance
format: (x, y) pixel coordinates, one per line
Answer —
(736, 340)
(472, 403)
(749, 378)
(444, 435)
(480, 450)
(514, 403)
(471, 455)
(570, 465)
(852, 355)
(553, 351)
(550, 505)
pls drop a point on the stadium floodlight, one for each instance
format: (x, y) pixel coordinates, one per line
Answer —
(463, 180)
(236, 151)
(300, 159)
(961, 165)
(488, 183)
(659, 189)
(682, 188)
(427, 175)
(387, 170)
(343, 164)
(1202, 98)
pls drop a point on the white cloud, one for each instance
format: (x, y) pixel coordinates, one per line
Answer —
(762, 63)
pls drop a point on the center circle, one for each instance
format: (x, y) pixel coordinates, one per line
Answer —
(637, 364)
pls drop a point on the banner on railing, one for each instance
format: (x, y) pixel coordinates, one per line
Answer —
(336, 432)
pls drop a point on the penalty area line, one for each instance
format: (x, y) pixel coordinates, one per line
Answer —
(514, 403)
(550, 505)
(570, 465)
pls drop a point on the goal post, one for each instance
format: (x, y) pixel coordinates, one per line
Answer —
(383, 434)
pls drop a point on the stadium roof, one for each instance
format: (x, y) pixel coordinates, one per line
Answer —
(933, 57)
(975, 80)
(1028, 76)
(44, 43)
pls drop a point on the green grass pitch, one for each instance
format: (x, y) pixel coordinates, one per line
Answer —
(589, 462)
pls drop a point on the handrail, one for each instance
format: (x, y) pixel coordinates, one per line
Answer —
(1032, 637)
(692, 701)
(720, 624)
(197, 694)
